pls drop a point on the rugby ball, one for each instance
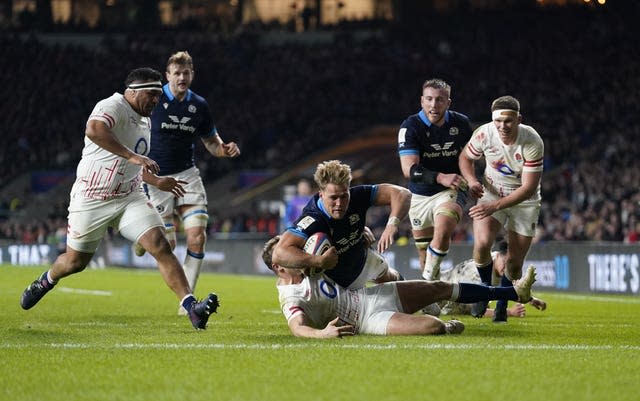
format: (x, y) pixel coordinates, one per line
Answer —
(316, 244)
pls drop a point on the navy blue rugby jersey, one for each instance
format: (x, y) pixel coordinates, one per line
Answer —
(346, 234)
(175, 126)
(438, 147)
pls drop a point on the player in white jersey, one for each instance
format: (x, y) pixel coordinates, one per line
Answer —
(316, 306)
(107, 193)
(181, 118)
(509, 195)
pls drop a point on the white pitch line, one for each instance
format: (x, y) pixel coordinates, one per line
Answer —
(598, 298)
(241, 346)
(85, 292)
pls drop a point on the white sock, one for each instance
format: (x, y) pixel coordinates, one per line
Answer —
(192, 266)
(432, 263)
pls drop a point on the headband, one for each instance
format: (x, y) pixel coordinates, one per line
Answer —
(153, 86)
(500, 112)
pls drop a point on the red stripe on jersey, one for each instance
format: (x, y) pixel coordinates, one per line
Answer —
(473, 150)
(533, 163)
(295, 309)
(112, 121)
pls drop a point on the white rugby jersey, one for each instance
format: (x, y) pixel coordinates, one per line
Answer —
(104, 175)
(506, 163)
(321, 301)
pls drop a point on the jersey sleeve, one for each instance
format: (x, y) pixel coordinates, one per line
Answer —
(107, 112)
(307, 225)
(207, 128)
(407, 144)
(533, 153)
(476, 145)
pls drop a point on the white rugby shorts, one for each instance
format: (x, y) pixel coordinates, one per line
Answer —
(521, 218)
(378, 304)
(423, 208)
(88, 220)
(165, 202)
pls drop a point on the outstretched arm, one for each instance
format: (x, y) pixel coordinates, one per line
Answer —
(300, 328)
(399, 200)
(167, 184)
(218, 148)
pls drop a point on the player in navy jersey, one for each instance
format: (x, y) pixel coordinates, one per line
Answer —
(429, 143)
(340, 211)
(181, 118)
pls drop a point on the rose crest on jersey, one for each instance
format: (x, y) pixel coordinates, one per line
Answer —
(192, 108)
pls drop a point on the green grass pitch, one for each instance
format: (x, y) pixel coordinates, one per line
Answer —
(114, 335)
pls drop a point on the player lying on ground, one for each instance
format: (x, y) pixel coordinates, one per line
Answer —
(317, 307)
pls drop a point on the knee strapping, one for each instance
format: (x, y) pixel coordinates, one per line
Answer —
(451, 213)
(423, 242)
(195, 216)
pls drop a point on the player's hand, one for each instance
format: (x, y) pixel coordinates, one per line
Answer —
(538, 303)
(453, 181)
(329, 259)
(368, 237)
(387, 237)
(170, 184)
(336, 328)
(143, 161)
(230, 149)
(476, 190)
(482, 210)
(517, 310)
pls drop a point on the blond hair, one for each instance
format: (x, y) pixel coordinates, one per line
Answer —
(180, 58)
(332, 172)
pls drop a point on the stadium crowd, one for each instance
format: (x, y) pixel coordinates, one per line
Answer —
(280, 101)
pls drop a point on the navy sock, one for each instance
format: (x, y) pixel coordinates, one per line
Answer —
(188, 301)
(470, 293)
(502, 303)
(485, 273)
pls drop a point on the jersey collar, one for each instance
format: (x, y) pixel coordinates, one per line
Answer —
(423, 117)
(321, 207)
(170, 96)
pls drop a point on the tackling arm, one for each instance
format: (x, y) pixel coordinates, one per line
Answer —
(300, 328)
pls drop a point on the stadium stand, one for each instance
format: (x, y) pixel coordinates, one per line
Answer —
(573, 68)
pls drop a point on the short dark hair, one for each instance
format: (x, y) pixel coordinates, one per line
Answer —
(506, 102)
(437, 83)
(267, 251)
(144, 74)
